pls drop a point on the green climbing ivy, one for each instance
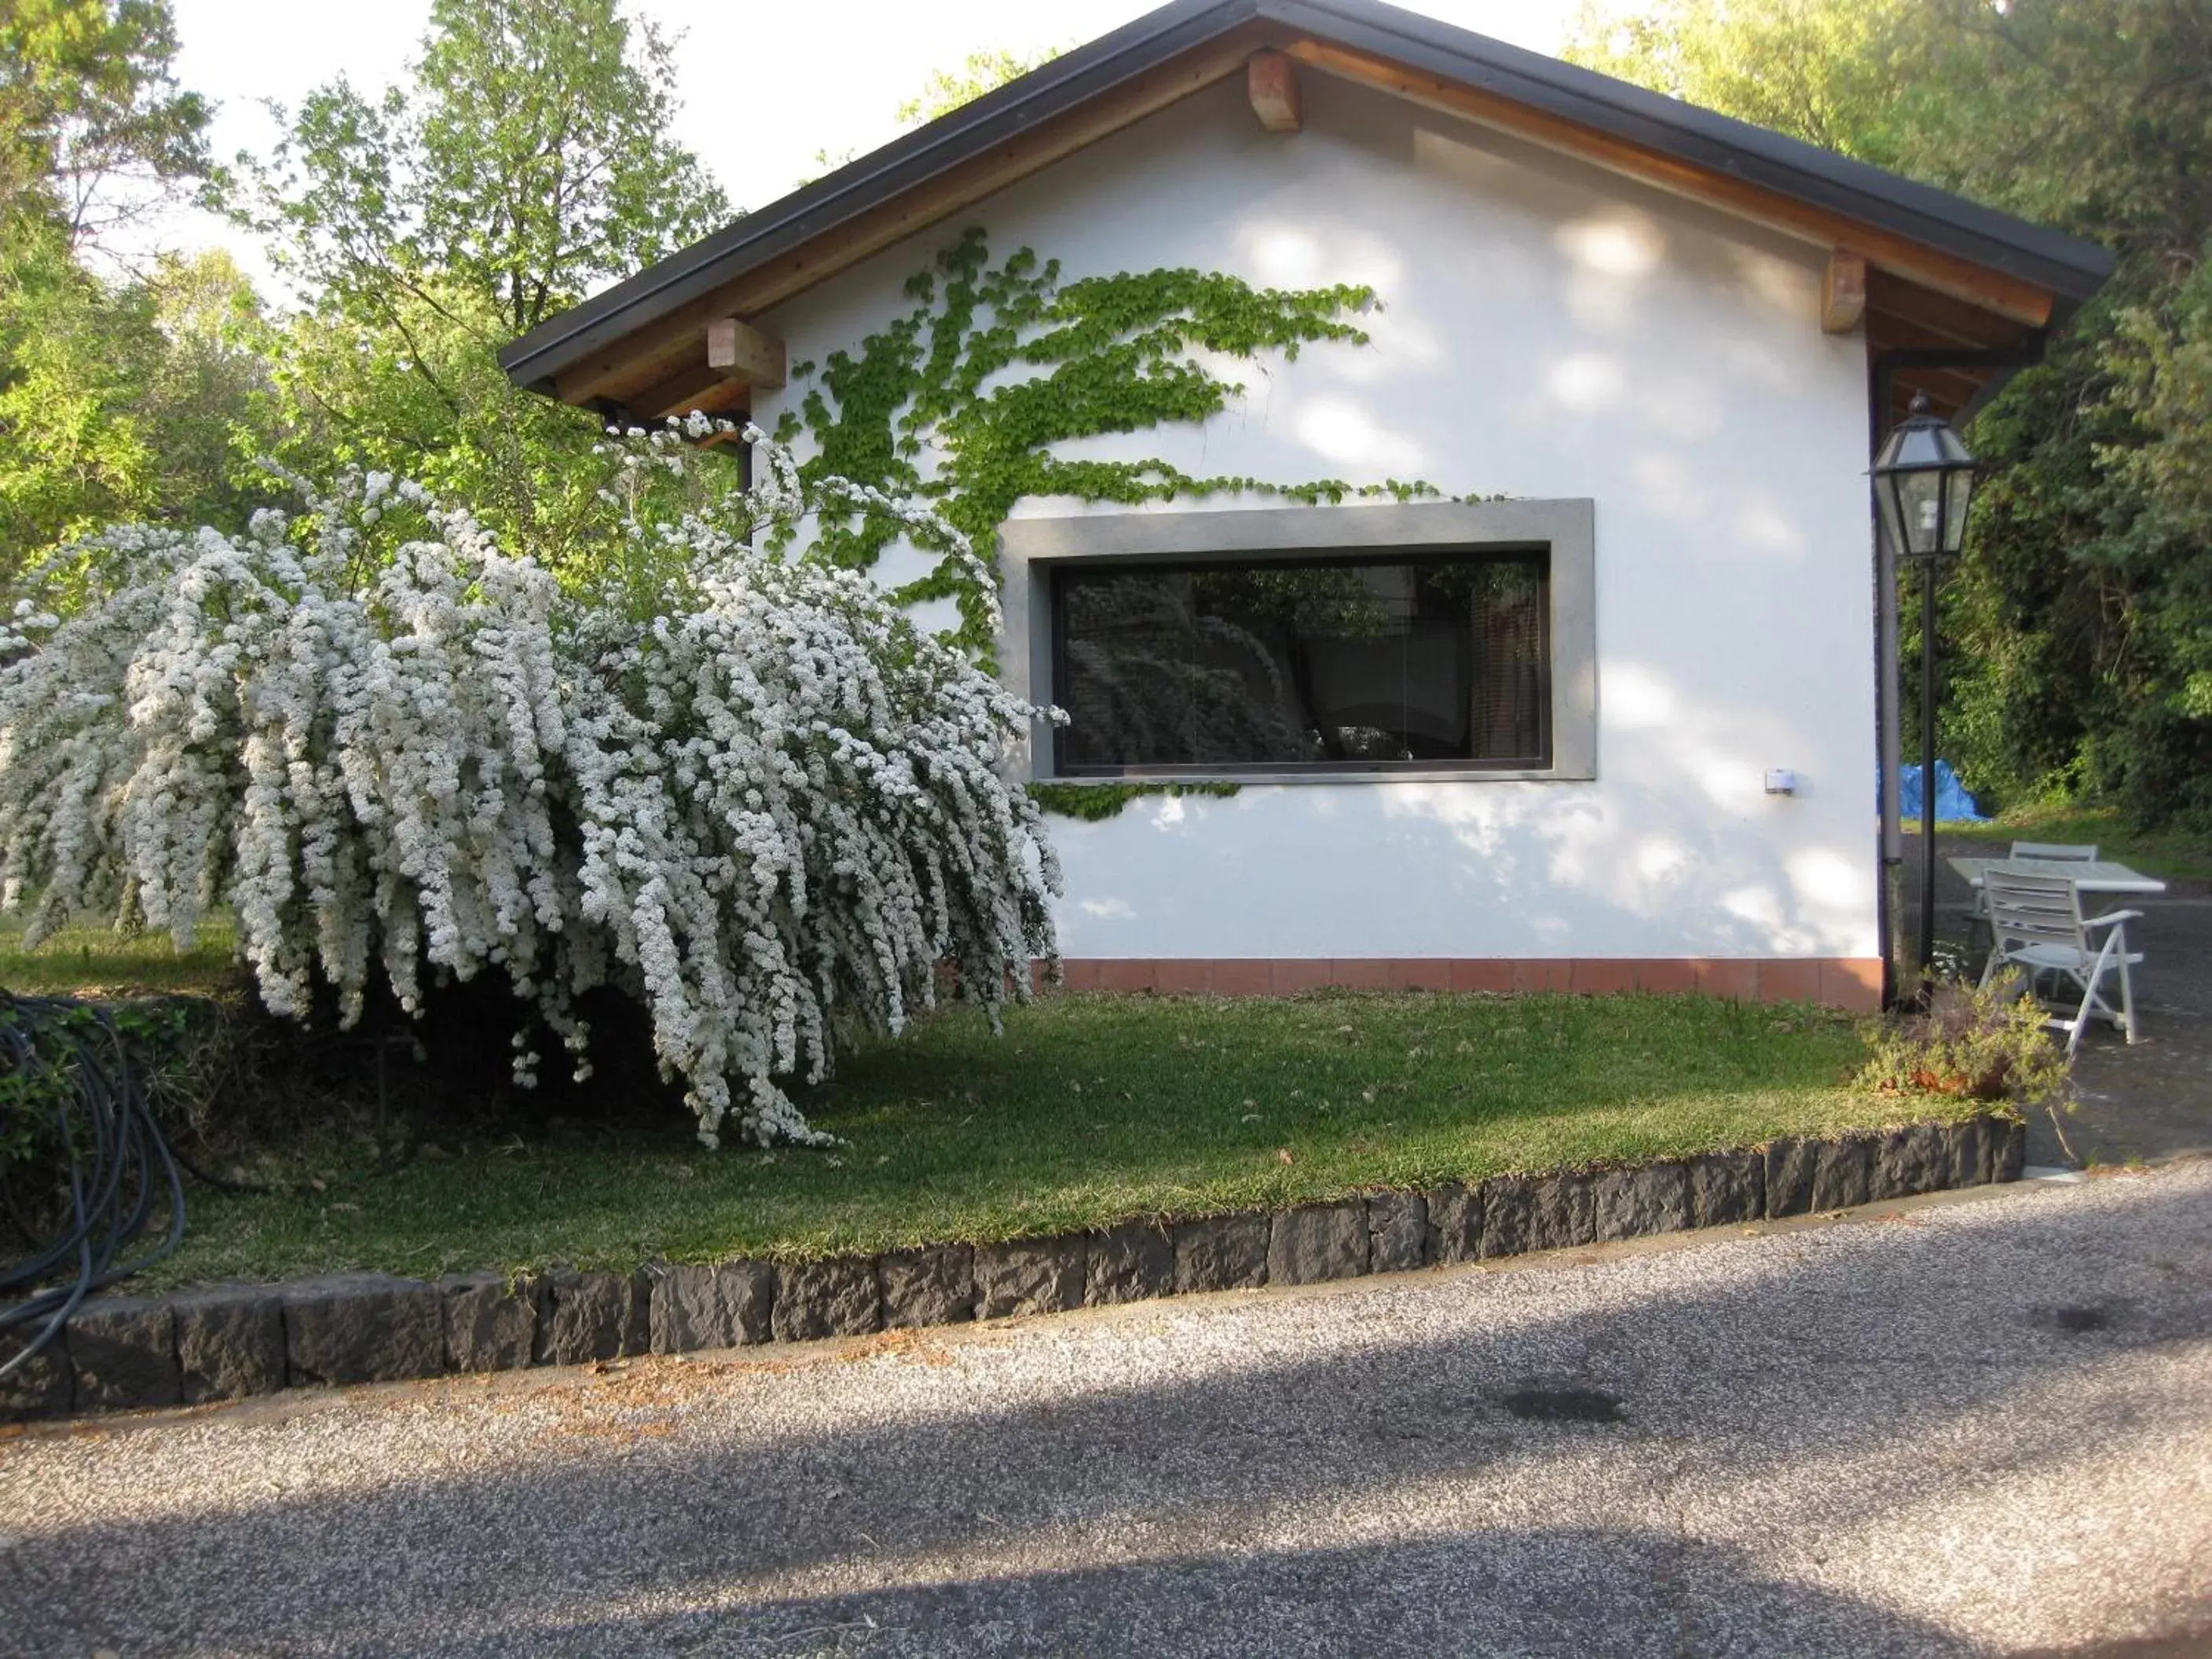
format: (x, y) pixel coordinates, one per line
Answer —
(1111, 354)
(1094, 803)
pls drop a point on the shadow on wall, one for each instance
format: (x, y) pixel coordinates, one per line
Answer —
(1677, 851)
(1234, 1500)
(1548, 331)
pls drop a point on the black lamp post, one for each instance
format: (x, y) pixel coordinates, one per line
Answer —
(1922, 481)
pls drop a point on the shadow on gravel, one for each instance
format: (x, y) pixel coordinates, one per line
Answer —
(1621, 1594)
(652, 1486)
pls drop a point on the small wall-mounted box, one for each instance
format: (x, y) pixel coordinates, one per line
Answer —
(1781, 780)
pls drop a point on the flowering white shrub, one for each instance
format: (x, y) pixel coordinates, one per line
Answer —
(747, 789)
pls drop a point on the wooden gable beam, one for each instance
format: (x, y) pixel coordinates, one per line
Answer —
(1271, 80)
(739, 351)
(1961, 279)
(1842, 292)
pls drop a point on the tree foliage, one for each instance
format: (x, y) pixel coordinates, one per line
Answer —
(978, 73)
(2077, 631)
(529, 159)
(119, 393)
(93, 128)
(526, 161)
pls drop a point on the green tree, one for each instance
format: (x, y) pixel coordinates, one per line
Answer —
(1820, 71)
(527, 162)
(132, 400)
(978, 73)
(2078, 630)
(112, 401)
(530, 159)
(93, 129)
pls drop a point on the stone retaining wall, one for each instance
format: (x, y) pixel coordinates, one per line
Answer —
(230, 1341)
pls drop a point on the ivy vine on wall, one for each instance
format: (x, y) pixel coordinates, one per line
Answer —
(1110, 355)
(1094, 803)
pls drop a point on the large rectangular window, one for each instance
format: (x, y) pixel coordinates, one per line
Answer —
(1345, 662)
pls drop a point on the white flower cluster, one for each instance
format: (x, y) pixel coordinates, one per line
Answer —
(763, 801)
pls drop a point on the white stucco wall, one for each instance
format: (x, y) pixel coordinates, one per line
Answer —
(1547, 330)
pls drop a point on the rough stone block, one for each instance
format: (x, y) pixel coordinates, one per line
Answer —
(1639, 1203)
(928, 1287)
(1454, 1232)
(230, 1342)
(1132, 1262)
(2009, 1149)
(124, 1351)
(718, 1305)
(1397, 1231)
(1029, 1276)
(489, 1326)
(40, 1387)
(361, 1327)
(1509, 1215)
(1967, 1145)
(1905, 1161)
(1727, 1189)
(815, 1299)
(589, 1317)
(1221, 1253)
(1318, 1242)
(1563, 1211)
(1840, 1169)
(1789, 1179)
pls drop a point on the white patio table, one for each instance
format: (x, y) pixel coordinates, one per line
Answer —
(2088, 875)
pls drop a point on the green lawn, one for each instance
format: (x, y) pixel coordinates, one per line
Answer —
(87, 960)
(2167, 852)
(1089, 1110)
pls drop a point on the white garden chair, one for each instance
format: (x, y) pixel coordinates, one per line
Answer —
(2046, 851)
(2037, 924)
(2056, 852)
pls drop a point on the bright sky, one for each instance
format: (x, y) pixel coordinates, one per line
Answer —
(764, 87)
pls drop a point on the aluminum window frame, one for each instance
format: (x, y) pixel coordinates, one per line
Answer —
(1030, 549)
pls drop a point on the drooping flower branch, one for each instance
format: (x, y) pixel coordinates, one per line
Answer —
(746, 789)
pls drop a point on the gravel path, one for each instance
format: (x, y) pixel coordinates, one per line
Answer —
(1945, 1427)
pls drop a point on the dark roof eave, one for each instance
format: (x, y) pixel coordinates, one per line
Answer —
(2067, 265)
(2070, 269)
(1046, 91)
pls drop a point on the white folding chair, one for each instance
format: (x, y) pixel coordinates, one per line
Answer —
(2056, 852)
(2047, 852)
(2037, 924)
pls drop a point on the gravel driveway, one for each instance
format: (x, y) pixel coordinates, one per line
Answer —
(1957, 1425)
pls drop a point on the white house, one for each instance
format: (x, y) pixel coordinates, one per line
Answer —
(1622, 727)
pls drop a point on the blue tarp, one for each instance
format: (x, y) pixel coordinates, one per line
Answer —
(1951, 800)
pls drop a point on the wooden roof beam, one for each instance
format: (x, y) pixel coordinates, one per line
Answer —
(738, 350)
(1842, 292)
(1271, 80)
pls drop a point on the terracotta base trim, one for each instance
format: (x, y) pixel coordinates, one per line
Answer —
(1851, 982)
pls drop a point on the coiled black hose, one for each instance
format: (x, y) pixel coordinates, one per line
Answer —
(65, 1057)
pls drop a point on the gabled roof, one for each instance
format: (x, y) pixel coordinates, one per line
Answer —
(1967, 258)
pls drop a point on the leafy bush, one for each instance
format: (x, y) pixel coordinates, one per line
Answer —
(746, 789)
(1987, 1044)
